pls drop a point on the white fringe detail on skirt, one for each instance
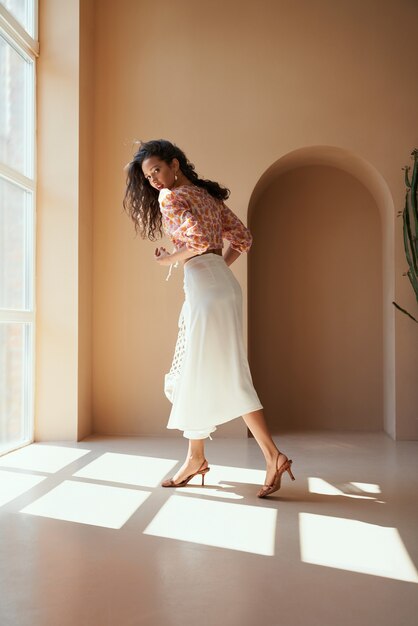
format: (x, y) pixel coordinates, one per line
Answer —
(174, 374)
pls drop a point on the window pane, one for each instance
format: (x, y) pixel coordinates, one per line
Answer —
(23, 12)
(15, 247)
(16, 110)
(15, 383)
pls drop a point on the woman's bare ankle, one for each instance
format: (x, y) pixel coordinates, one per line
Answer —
(195, 458)
(271, 456)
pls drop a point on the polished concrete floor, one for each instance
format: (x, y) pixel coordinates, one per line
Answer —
(89, 538)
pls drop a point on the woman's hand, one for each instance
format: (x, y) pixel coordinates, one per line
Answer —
(162, 256)
(231, 255)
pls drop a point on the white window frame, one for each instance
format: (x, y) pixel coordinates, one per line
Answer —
(28, 47)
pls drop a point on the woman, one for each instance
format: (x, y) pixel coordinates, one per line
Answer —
(210, 381)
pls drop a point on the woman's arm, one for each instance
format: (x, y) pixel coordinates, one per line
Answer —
(236, 233)
(231, 255)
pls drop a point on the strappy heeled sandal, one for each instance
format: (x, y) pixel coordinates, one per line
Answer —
(202, 470)
(266, 490)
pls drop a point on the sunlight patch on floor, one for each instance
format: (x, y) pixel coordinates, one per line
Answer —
(86, 503)
(131, 469)
(218, 524)
(209, 490)
(13, 484)
(318, 485)
(367, 487)
(223, 474)
(42, 458)
(355, 546)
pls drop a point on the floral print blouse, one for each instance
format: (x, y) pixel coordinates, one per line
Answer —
(192, 217)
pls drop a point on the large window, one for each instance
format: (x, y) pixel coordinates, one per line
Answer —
(18, 51)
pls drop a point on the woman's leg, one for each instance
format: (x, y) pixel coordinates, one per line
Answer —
(194, 459)
(256, 422)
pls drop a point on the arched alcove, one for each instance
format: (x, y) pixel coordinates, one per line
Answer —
(320, 283)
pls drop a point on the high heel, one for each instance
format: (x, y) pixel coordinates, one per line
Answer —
(202, 470)
(266, 490)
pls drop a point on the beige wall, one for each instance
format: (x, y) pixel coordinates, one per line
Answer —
(239, 86)
(63, 397)
(315, 306)
(85, 213)
(57, 284)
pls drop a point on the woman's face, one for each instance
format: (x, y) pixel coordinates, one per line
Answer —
(158, 173)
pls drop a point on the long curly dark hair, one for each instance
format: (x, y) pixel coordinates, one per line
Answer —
(141, 200)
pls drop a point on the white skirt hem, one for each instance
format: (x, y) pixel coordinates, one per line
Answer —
(217, 423)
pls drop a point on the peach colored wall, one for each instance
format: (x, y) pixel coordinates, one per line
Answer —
(239, 85)
(63, 398)
(315, 302)
(57, 281)
(85, 211)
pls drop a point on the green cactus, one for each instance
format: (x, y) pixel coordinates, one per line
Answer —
(410, 228)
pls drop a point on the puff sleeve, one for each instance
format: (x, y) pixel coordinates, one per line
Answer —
(234, 231)
(181, 224)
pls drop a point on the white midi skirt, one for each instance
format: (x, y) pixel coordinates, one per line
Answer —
(210, 381)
